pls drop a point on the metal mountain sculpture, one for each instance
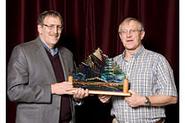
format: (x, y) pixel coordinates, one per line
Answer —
(99, 72)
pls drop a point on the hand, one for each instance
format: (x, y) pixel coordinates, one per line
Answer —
(80, 93)
(104, 98)
(135, 100)
(62, 88)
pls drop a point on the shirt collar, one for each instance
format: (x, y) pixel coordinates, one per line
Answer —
(141, 49)
(52, 51)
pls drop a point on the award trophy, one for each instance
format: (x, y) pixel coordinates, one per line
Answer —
(101, 75)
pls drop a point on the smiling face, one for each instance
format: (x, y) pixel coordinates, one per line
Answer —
(50, 30)
(131, 34)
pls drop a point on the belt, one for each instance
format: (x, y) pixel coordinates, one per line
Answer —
(115, 121)
(161, 121)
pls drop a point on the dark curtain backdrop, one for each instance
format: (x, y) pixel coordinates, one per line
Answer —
(89, 24)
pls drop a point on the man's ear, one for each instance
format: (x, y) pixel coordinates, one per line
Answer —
(39, 28)
(142, 34)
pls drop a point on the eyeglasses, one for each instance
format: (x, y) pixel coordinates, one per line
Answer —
(131, 31)
(51, 27)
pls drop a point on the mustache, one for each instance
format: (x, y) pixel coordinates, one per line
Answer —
(54, 34)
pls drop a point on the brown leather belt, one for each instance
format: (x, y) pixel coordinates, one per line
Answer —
(160, 121)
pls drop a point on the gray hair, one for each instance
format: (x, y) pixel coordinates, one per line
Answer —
(52, 13)
(128, 19)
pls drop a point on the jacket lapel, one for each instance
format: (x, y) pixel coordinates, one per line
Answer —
(43, 55)
(63, 63)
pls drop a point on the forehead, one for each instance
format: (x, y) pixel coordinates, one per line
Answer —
(130, 24)
(52, 20)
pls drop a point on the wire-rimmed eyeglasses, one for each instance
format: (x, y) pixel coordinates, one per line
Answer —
(131, 31)
(51, 27)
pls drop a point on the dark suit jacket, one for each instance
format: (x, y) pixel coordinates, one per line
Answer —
(29, 79)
